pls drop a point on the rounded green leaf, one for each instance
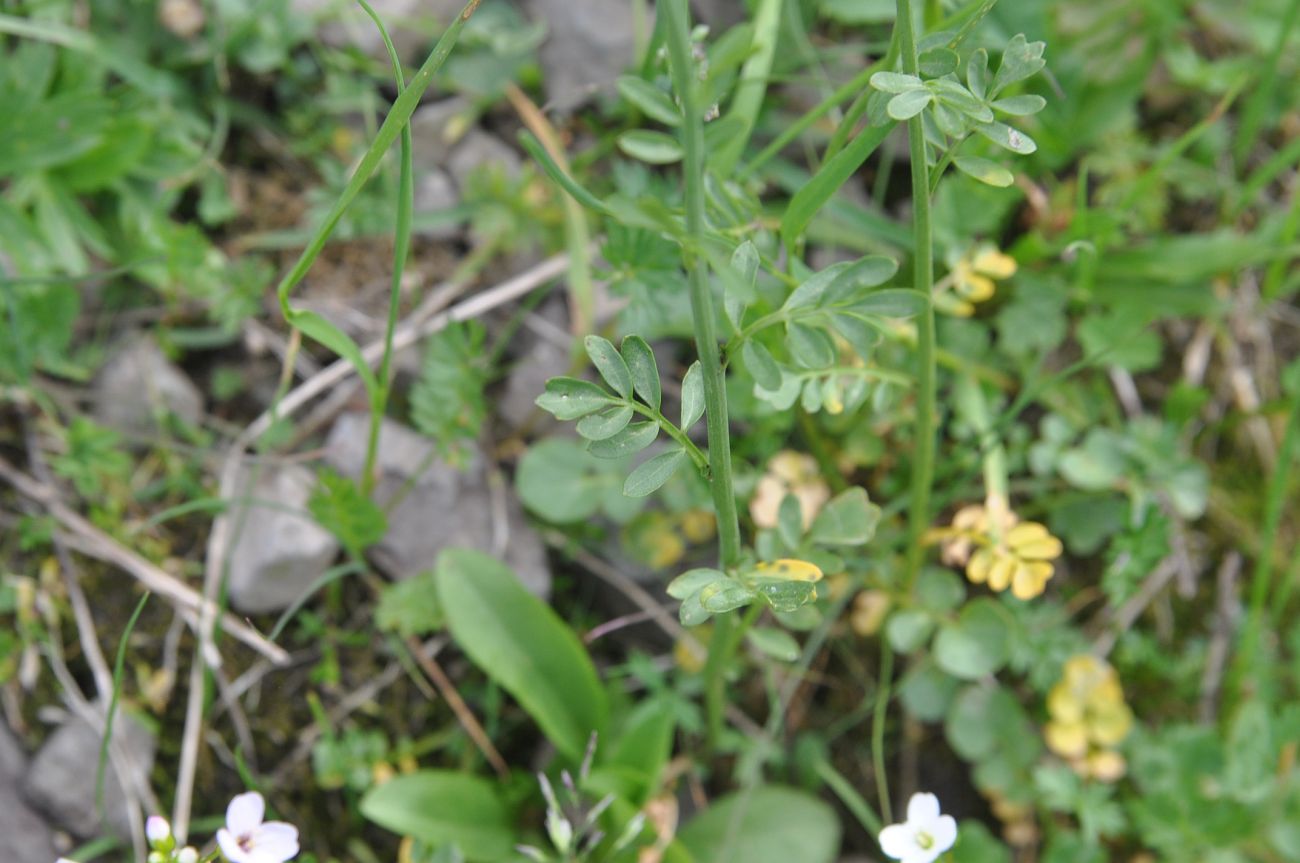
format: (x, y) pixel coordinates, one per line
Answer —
(559, 482)
(892, 302)
(604, 424)
(692, 396)
(692, 581)
(571, 398)
(656, 148)
(907, 105)
(811, 347)
(653, 473)
(641, 363)
(976, 645)
(895, 82)
(767, 824)
(443, 807)
(908, 629)
(519, 642)
(776, 643)
(630, 441)
(609, 362)
(649, 99)
(758, 359)
(985, 170)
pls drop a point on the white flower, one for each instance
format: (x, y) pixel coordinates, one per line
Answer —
(245, 839)
(157, 829)
(188, 854)
(924, 836)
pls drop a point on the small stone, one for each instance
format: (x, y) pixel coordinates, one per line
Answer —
(138, 385)
(279, 551)
(412, 24)
(61, 778)
(477, 149)
(588, 45)
(435, 130)
(535, 359)
(434, 194)
(438, 506)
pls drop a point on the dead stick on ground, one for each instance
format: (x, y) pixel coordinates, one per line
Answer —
(464, 715)
(93, 542)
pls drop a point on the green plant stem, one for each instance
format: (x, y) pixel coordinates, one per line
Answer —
(676, 16)
(878, 715)
(923, 459)
(401, 250)
(849, 796)
(1262, 574)
(671, 429)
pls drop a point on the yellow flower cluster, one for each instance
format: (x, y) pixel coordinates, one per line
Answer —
(973, 278)
(1089, 718)
(1018, 555)
(789, 472)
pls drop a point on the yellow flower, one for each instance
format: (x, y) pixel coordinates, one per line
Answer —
(1089, 718)
(1020, 561)
(789, 472)
(973, 278)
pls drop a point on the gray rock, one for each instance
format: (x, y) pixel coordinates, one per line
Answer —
(435, 129)
(439, 506)
(535, 360)
(27, 838)
(61, 779)
(138, 384)
(279, 551)
(477, 149)
(434, 193)
(588, 44)
(412, 24)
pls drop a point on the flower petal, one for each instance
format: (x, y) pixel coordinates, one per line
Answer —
(897, 841)
(277, 839)
(230, 847)
(245, 812)
(943, 830)
(922, 809)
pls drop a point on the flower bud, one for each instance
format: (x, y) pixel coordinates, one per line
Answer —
(188, 854)
(157, 829)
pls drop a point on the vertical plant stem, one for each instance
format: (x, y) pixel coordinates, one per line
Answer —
(677, 20)
(923, 281)
(878, 715)
(401, 250)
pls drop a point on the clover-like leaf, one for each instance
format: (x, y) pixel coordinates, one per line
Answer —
(653, 473)
(610, 364)
(630, 441)
(644, 370)
(571, 398)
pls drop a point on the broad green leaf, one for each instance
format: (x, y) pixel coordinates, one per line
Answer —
(644, 369)
(692, 396)
(767, 824)
(655, 148)
(571, 398)
(985, 170)
(644, 744)
(745, 261)
(789, 521)
(519, 642)
(976, 645)
(848, 519)
(653, 473)
(692, 581)
(810, 346)
(725, 595)
(443, 807)
(776, 643)
(784, 595)
(1020, 106)
(630, 441)
(1021, 59)
(1008, 138)
(891, 302)
(896, 82)
(979, 845)
(868, 272)
(908, 629)
(559, 482)
(649, 99)
(937, 62)
(907, 105)
(977, 73)
(604, 424)
(758, 359)
(812, 291)
(609, 362)
(861, 333)
(926, 692)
